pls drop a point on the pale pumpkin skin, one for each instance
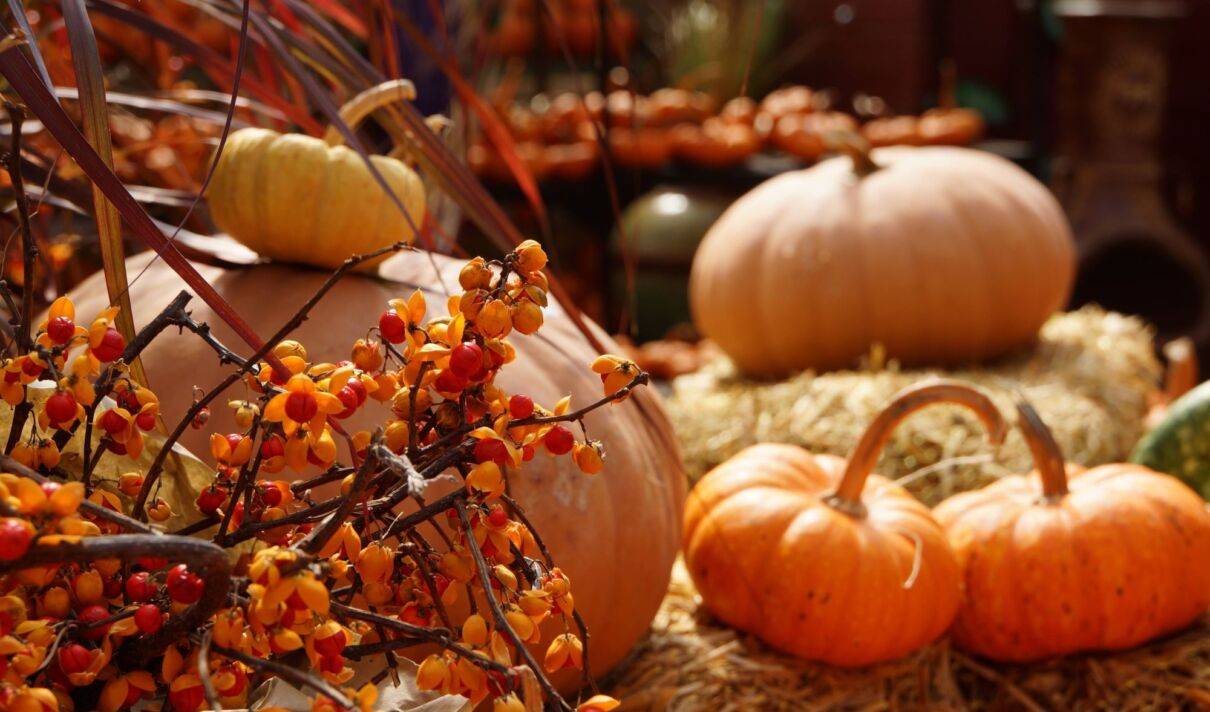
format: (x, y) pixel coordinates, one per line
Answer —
(294, 198)
(615, 533)
(774, 553)
(1120, 558)
(943, 255)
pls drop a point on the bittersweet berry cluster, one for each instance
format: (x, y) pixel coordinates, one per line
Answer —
(306, 548)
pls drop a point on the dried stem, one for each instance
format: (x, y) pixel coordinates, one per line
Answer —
(498, 613)
(288, 673)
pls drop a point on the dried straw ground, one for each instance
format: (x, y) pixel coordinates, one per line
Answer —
(1089, 376)
(689, 663)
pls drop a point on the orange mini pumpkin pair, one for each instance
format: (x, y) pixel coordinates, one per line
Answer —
(819, 558)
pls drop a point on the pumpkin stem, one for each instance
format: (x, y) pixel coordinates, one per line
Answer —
(1048, 458)
(856, 148)
(847, 497)
(358, 108)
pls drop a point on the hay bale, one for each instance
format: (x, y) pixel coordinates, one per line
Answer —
(690, 663)
(1089, 377)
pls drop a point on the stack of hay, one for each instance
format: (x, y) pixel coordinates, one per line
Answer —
(690, 663)
(1090, 377)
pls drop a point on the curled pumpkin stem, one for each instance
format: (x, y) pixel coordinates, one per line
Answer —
(847, 497)
(1048, 458)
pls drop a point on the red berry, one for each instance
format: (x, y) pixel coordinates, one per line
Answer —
(61, 407)
(348, 397)
(183, 585)
(301, 407)
(559, 440)
(61, 329)
(199, 419)
(145, 421)
(392, 327)
(271, 496)
(237, 685)
(332, 664)
(128, 400)
(272, 447)
(149, 618)
(234, 440)
(111, 346)
(331, 645)
(15, 538)
(139, 587)
(497, 517)
(32, 368)
(520, 406)
(74, 658)
(491, 449)
(92, 614)
(527, 453)
(111, 422)
(466, 360)
(358, 388)
(449, 382)
(113, 586)
(211, 499)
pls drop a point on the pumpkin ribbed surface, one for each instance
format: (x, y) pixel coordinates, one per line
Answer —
(294, 198)
(769, 557)
(943, 255)
(1095, 560)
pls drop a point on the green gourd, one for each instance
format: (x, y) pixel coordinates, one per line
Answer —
(1180, 444)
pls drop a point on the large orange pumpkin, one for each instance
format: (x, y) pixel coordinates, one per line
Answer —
(615, 534)
(819, 558)
(943, 255)
(1065, 560)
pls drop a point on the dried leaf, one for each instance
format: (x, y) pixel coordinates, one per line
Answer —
(94, 111)
(184, 477)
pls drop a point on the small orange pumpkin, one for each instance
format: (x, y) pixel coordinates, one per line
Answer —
(740, 110)
(893, 131)
(951, 127)
(485, 161)
(1066, 559)
(625, 108)
(788, 100)
(670, 106)
(784, 544)
(806, 135)
(572, 161)
(715, 144)
(639, 147)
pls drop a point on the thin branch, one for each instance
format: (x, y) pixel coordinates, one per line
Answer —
(498, 613)
(288, 673)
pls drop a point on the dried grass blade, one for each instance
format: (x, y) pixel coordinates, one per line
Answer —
(22, 76)
(94, 113)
